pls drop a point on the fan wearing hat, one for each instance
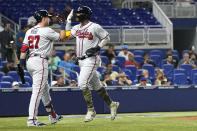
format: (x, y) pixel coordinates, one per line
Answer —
(142, 81)
(15, 84)
(124, 53)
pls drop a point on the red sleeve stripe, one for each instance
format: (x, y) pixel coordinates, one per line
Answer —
(72, 35)
(24, 48)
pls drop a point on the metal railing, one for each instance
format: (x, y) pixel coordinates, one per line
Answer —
(14, 26)
(53, 74)
(179, 9)
(164, 20)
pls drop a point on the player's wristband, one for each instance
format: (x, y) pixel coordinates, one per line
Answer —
(22, 62)
(68, 26)
(63, 26)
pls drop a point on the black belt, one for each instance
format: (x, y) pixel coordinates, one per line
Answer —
(84, 57)
(40, 56)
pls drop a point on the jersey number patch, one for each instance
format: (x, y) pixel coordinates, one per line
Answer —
(31, 41)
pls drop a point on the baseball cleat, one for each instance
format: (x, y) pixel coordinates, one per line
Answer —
(56, 119)
(114, 107)
(31, 123)
(90, 115)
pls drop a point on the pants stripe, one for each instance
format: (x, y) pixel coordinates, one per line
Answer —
(91, 72)
(38, 91)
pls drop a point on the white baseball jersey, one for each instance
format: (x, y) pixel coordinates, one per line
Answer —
(40, 40)
(87, 36)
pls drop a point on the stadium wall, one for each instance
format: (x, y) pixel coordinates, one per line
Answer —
(16, 102)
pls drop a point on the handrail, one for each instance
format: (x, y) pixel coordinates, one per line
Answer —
(64, 72)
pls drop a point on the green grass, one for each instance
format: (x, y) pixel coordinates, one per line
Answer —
(125, 122)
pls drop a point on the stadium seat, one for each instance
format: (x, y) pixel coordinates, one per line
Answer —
(156, 59)
(120, 59)
(138, 52)
(180, 79)
(14, 75)
(115, 68)
(24, 85)
(3, 63)
(5, 84)
(1, 75)
(177, 71)
(168, 71)
(193, 71)
(194, 79)
(133, 70)
(188, 69)
(27, 73)
(163, 61)
(73, 76)
(104, 60)
(139, 59)
(115, 82)
(128, 74)
(7, 78)
(76, 68)
(150, 69)
(29, 80)
(100, 70)
(60, 53)
(157, 52)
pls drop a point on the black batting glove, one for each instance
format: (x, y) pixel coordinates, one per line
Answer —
(92, 51)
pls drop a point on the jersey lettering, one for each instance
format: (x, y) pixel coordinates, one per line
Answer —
(31, 41)
(84, 34)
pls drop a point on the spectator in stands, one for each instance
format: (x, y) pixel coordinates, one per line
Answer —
(169, 60)
(107, 80)
(161, 79)
(51, 11)
(5, 40)
(193, 58)
(131, 61)
(67, 64)
(110, 53)
(186, 60)
(142, 81)
(54, 22)
(73, 83)
(20, 36)
(53, 61)
(122, 80)
(54, 84)
(174, 59)
(61, 82)
(66, 11)
(15, 84)
(9, 67)
(147, 60)
(124, 53)
(145, 73)
(113, 74)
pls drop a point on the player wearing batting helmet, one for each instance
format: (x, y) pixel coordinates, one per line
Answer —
(90, 38)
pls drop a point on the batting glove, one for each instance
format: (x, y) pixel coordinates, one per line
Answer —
(92, 51)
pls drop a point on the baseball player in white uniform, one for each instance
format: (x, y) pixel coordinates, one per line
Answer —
(38, 42)
(90, 38)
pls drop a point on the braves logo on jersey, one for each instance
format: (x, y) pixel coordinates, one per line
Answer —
(84, 34)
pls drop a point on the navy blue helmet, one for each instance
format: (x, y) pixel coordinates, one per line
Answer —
(85, 11)
(38, 15)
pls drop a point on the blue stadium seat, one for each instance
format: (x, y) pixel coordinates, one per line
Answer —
(3, 63)
(163, 61)
(168, 71)
(115, 82)
(178, 71)
(76, 68)
(194, 79)
(24, 85)
(120, 59)
(156, 59)
(60, 53)
(14, 75)
(29, 80)
(104, 59)
(1, 75)
(128, 74)
(180, 79)
(133, 69)
(27, 73)
(5, 84)
(7, 78)
(139, 59)
(188, 69)
(115, 68)
(100, 70)
(150, 69)
(157, 52)
(193, 71)
(73, 76)
(138, 52)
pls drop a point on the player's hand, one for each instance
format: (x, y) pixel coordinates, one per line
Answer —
(92, 51)
(70, 16)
